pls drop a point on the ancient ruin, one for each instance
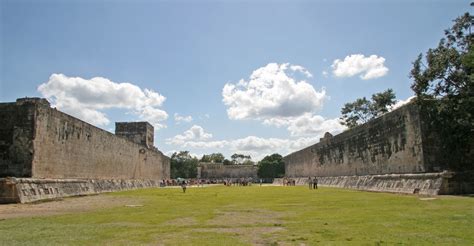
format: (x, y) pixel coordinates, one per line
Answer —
(45, 154)
(221, 171)
(394, 153)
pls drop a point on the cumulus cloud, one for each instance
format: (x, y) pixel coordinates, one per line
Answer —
(195, 133)
(400, 103)
(255, 146)
(274, 96)
(181, 118)
(85, 98)
(368, 67)
(272, 91)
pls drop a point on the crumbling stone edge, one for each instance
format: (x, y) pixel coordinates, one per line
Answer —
(439, 183)
(27, 190)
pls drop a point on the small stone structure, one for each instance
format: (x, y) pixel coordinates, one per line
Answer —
(221, 171)
(45, 153)
(394, 153)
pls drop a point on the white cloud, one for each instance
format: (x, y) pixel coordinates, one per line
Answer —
(400, 103)
(271, 92)
(368, 67)
(312, 125)
(86, 98)
(257, 147)
(195, 133)
(180, 118)
(298, 68)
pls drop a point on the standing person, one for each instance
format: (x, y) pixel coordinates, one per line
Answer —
(183, 185)
(315, 183)
(310, 183)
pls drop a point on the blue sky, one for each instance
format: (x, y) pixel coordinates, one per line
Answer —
(186, 52)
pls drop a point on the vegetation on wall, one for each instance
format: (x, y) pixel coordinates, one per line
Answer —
(362, 110)
(444, 75)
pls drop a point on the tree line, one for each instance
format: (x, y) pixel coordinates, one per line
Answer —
(184, 165)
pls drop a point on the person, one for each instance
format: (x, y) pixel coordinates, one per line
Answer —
(315, 183)
(183, 185)
(310, 183)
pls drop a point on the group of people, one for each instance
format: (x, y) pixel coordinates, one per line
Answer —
(289, 182)
(312, 183)
(238, 182)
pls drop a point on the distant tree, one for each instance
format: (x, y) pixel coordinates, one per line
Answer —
(362, 110)
(248, 162)
(443, 82)
(271, 166)
(183, 165)
(214, 157)
(240, 158)
(227, 162)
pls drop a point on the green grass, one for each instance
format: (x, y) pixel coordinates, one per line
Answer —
(256, 215)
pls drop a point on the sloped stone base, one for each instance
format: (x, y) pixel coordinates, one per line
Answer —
(424, 183)
(26, 190)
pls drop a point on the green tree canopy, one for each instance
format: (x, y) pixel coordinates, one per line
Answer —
(445, 74)
(271, 166)
(183, 165)
(240, 158)
(214, 157)
(362, 110)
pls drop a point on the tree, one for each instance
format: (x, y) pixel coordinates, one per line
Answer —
(183, 165)
(240, 158)
(271, 166)
(443, 84)
(214, 157)
(362, 110)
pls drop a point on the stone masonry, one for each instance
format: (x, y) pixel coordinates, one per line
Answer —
(39, 143)
(396, 144)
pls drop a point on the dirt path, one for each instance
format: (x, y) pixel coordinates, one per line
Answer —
(67, 205)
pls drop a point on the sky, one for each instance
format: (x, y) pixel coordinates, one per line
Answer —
(250, 77)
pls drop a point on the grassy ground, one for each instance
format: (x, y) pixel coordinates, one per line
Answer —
(256, 215)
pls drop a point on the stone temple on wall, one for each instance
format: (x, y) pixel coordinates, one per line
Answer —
(47, 154)
(397, 152)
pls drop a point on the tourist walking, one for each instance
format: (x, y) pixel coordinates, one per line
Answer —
(315, 183)
(183, 186)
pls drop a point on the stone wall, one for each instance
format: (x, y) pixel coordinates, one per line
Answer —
(220, 171)
(40, 142)
(420, 183)
(391, 143)
(26, 190)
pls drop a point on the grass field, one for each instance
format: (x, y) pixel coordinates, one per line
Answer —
(267, 215)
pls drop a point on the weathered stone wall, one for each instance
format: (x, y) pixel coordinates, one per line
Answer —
(25, 190)
(46, 143)
(421, 183)
(139, 132)
(391, 143)
(220, 171)
(16, 136)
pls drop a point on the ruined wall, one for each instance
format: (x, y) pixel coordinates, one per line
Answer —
(391, 143)
(422, 183)
(16, 136)
(139, 132)
(26, 190)
(56, 145)
(219, 171)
